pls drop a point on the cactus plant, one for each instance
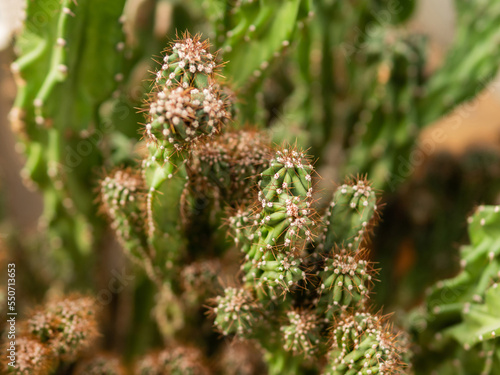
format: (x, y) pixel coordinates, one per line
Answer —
(221, 149)
(306, 297)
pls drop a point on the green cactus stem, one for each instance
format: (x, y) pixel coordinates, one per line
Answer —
(461, 315)
(65, 71)
(284, 224)
(352, 212)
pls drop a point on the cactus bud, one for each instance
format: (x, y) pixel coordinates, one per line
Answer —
(236, 312)
(241, 358)
(199, 279)
(302, 333)
(187, 61)
(345, 282)
(179, 360)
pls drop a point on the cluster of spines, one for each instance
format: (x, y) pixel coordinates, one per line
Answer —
(68, 326)
(32, 357)
(186, 62)
(176, 360)
(364, 343)
(60, 331)
(182, 116)
(200, 279)
(187, 103)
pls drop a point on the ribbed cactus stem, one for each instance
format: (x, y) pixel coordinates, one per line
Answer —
(284, 223)
(65, 72)
(463, 311)
(242, 225)
(352, 211)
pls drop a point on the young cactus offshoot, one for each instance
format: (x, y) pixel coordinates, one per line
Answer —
(236, 312)
(283, 223)
(352, 211)
(187, 103)
(122, 198)
(228, 165)
(302, 333)
(177, 360)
